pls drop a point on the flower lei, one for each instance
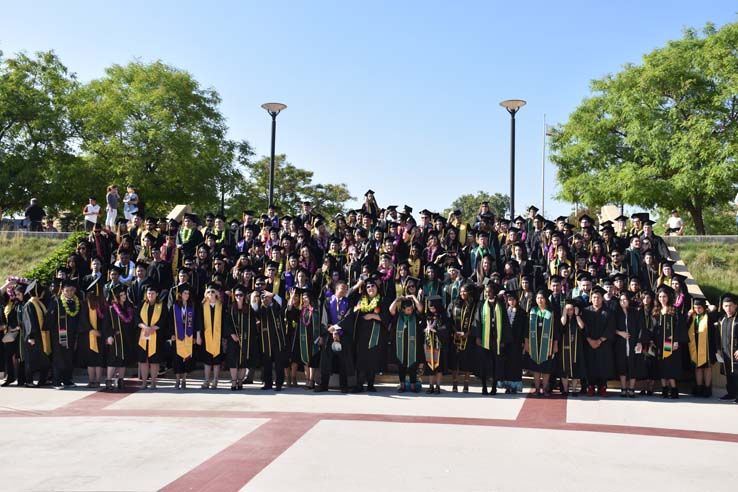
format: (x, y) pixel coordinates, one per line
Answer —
(129, 313)
(307, 314)
(367, 305)
(186, 234)
(74, 312)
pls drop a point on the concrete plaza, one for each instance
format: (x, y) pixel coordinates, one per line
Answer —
(206, 440)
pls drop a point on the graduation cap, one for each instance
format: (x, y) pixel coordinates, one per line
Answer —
(555, 279)
(621, 218)
(598, 290)
(192, 218)
(32, 289)
(728, 297)
(512, 294)
(608, 230)
(184, 271)
(68, 283)
(210, 216)
(116, 269)
(121, 220)
(436, 301)
(307, 203)
(619, 277)
(484, 202)
(425, 211)
(649, 222)
(151, 286)
(562, 218)
(700, 301)
(151, 220)
(369, 192)
(667, 262)
(607, 223)
(457, 212)
(413, 280)
(587, 218)
(519, 219)
(141, 264)
(539, 217)
(583, 276)
(533, 208)
(527, 277)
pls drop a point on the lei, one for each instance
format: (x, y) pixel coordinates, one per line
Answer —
(186, 234)
(126, 319)
(367, 305)
(307, 314)
(74, 312)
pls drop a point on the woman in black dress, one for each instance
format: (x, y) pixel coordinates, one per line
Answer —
(630, 340)
(151, 320)
(117, 330)
(542, 343)
(669, 334)
(571, 348)
(436, 342)
(242, 338)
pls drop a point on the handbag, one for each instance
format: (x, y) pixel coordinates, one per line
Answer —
(11, 336)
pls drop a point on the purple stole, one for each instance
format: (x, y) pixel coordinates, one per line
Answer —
(337, 309)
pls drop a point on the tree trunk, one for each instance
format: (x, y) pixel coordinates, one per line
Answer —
(696, 213)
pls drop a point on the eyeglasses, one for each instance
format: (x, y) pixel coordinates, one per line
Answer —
(238, 295)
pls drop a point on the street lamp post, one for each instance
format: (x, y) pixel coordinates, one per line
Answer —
(512, 106)
(273, 109)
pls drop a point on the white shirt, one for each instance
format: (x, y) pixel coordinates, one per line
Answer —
(91, 212)
(675, 222)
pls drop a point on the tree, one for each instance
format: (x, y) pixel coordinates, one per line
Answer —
(36, 133)
(659, 134)
(499, 204)
(292, 186)
(152, 125)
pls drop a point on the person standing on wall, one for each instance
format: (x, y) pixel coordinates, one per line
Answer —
(111, 207)
(91, 211)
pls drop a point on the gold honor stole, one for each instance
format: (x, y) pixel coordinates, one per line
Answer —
(212, 328)
(698, 340)
(487, 325)
(546, 341)
(307, 335)
(93, 323)
(41, 316)
(409, 324)
(151, 349)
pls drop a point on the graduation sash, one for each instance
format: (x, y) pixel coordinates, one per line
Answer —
(93, 324)
(119, 333)
(41, 316)
(667, 326)
(570, 347)
(409, 324)
(698, 340)
(183, 330)
(465, 325)
(307, 333)
(151, 349)
(212, 328)
(537, 346)
(487, 325)
(432, 350)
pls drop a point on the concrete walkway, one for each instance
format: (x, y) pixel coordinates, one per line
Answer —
(206, 440)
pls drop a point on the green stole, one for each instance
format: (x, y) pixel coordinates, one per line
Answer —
(305, 342)
(487, 325)
(536, 346)
(409, 324)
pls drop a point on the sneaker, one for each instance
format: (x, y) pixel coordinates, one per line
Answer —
(590, 390)
(58, 387)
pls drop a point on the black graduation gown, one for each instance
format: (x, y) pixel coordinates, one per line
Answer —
(245, 352)
(273, 343)
(122, 351)
(62, 354)
(599, 361)
(334, 312)
(180, 364)
(627, 362)
(291, 328)
(512, 351)
(670, 327)
(489, 361)
(409, 350)
(368, 338)
(546, 366)
(464, 319)
(85, 354)
(441, 342)
(571, 351)
(162, 335)
(36, 358)
(308, 333)
(729, 342)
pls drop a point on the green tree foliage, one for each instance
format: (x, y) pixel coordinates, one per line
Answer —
(154, 126)
(469, 203)
(292, 186)
(659, 134)
(36, 134)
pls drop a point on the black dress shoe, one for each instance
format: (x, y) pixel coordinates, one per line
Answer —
(371, 389)
(320, 389)
(266, 387)
(344, 390)
(7, 382)
(728, 397)
(674, 393)
(278, 388)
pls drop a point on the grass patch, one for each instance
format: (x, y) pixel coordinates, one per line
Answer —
(714, 267)
(19, 254)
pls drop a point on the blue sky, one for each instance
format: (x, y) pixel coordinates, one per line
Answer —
(379, 94)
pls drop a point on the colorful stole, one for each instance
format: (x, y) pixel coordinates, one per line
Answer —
(151, 349)
(308, 334)
(571, 335)
(635, 261)
(487, 325)
(63, 330)
(409, 324)
(698, 340)
(546, 341)
(337, 311)
(432, 350)
(668, 329)
(93, 323)
(184, 324)
(41, 317)
(466, 319)
(212, 328)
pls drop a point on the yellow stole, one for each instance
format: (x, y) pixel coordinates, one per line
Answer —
(149, 322)
(41, 316)
(698, 342)
(184, 347)
(93, 323)
(212, 328)
(414, 267)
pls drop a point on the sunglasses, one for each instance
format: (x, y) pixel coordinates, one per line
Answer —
(238, 295)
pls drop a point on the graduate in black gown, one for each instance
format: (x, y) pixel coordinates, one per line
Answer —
(184, 316)
(407, 329)
(336, 350)
(631, 342)
(462, 313)
(308, 336)
(703, 345)
(63, 319)
(669, 335)
(36, 336)
(729, 344)
(598, 353)
(118, 331)
(90, 346)
(511, 373)
(542, 342)
(491, 334)
(242, 338)
(210, 328)
(273, 344)
(151, 319)
(571, 347)
(437, 341)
